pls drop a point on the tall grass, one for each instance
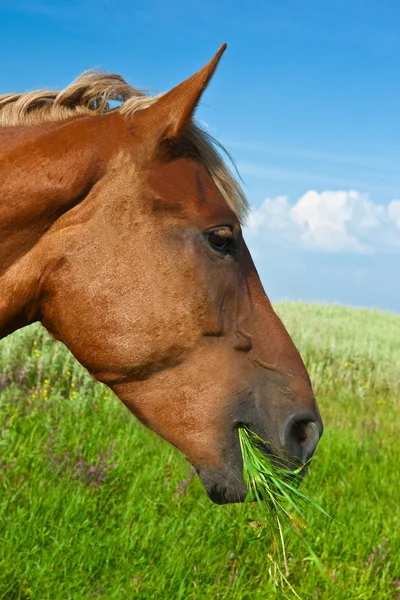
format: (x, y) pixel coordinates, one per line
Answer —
(95, 506)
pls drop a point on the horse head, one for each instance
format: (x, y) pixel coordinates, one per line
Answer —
(141, 269)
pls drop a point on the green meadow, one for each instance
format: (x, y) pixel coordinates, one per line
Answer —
(95, 506)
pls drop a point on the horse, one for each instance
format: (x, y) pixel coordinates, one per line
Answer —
(121, 233)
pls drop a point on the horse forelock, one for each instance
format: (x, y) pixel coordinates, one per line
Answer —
(94, 93)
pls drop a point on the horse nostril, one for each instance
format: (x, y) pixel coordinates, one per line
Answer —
(300, 431)
(301, 437)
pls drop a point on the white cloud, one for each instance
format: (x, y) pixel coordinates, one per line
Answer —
(394, 212)
(331, 221)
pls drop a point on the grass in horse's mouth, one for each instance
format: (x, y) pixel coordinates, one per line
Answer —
(276, 490)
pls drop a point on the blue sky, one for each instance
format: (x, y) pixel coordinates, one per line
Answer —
(306, 99)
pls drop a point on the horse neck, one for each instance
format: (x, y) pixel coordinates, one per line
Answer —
(44, 172)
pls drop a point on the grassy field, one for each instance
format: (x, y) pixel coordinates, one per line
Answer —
(95, 506)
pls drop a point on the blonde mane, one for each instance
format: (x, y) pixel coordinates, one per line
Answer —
(90, 94)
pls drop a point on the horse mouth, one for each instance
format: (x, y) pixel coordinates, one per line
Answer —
(227, 485)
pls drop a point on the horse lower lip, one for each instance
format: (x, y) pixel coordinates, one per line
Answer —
(224, 486)
(226, 496)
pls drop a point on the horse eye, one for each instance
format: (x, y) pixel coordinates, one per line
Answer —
(222, 240)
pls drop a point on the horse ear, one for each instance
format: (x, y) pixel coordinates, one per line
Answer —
(169, 116)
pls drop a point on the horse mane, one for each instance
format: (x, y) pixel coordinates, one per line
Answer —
(94, 93)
